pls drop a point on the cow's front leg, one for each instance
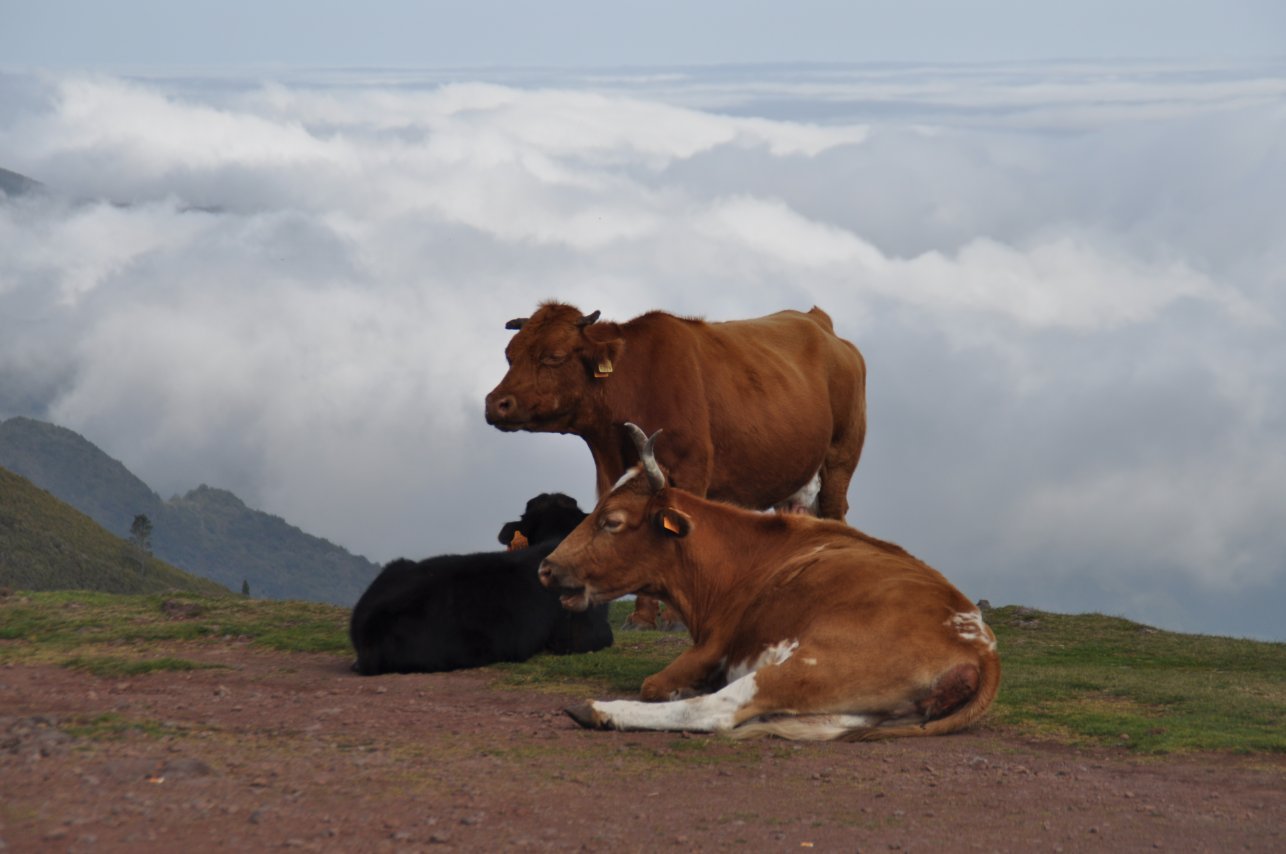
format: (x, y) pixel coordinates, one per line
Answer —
(717, 712)
(683, 677)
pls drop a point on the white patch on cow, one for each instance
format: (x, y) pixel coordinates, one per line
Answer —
(625, 478)
(805, 727)
(773, 654)
(970, 627)
(811, 662)
(707, 713)
(804, 501)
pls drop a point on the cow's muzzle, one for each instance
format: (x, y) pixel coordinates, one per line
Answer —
(502, 409)
(571, 596)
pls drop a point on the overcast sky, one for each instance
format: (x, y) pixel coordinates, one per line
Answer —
(577, 33)
(288, 278)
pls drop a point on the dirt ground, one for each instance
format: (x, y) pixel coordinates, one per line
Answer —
(279, 750)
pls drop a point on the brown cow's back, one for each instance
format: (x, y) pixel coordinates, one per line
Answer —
(775, 396)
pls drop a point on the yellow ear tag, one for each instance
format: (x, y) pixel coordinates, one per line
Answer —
(604, 368)
(668, 524)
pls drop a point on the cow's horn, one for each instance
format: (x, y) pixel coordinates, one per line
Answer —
(646, 455)
(588, 319)
(516, 323)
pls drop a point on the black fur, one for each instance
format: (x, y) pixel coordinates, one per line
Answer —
(456, 611)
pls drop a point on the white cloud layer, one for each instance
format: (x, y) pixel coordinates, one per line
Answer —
(1067, 281)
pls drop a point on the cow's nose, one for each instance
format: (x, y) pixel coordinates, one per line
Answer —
(548, 574)
(502, 405)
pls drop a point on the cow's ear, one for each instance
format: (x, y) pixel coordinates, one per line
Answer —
(604, 348)
(673, 523)
(507, 533)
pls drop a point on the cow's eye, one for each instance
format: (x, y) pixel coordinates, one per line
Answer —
(553, 359)
(613, 522)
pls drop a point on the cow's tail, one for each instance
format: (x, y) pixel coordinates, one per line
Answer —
(855, 727)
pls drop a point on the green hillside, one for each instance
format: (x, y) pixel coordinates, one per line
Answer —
(77, 472)
(208, 532)
(47, 545)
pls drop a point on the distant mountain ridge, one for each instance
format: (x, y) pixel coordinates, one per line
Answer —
(14, 184)
(45, 544)
(208, 531)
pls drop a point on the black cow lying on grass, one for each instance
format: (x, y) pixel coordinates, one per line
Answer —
(456, 611)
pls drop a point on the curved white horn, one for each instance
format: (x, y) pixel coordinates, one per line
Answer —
(644, 443)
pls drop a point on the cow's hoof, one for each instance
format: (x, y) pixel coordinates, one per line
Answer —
(585, 715)
(634, 623)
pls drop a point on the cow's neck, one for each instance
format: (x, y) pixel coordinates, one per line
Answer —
(609, 463)
(629, 394)
(708, 585)
(608, 442)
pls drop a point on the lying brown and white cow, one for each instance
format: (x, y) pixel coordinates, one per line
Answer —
(801, 627)
(764, 412)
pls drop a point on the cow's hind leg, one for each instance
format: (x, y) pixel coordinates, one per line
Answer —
(842, 456)
(836, 473)
(832, 502)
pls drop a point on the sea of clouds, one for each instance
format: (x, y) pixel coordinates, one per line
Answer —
(1068, 280)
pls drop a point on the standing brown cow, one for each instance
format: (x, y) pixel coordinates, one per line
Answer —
(769, 412)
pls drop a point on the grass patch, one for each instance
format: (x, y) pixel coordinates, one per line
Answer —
(1106, 680)
(57, 624)
(111, 725)
(117, 667)
(619, 669)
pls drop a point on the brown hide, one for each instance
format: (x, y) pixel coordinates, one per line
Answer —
(751, 409)
(878, 633)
